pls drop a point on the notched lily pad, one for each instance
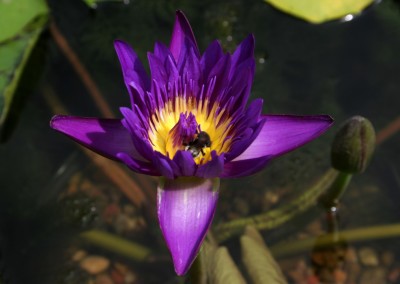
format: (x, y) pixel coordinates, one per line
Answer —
(319, 11)
(16, 46)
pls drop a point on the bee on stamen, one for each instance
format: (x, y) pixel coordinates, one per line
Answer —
(197, 145)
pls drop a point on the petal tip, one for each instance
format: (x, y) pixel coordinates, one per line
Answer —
(120, 44)
(54, 121)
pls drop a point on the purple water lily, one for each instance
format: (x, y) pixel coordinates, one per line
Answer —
(188, 123)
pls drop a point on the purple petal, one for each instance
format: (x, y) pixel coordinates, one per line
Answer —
(247, 129)
(138, 166)
(184, 160)
(108, 137)
(184, 130)
(165, 166)
(139, 135)
(186, 207)
(135, 76)
(161, 51)
(283, 133)
(244, 167)
(213, 168)
(157, 69)
(220, 71)
(180, 34)
(241, 83)
(244, 51)
(212, 54)
(190, 67)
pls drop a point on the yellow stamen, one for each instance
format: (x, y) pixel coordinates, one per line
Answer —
(162, 121)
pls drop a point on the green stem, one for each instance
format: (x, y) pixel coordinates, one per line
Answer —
(197, 272)
(361, 234)
(277, 217)
(335, 192)
(117, 244)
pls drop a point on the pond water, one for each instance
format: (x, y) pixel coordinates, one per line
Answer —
(52, 191)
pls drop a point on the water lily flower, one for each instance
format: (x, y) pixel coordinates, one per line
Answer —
(190, 124)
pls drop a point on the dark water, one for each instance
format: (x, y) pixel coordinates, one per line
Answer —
(338, 68)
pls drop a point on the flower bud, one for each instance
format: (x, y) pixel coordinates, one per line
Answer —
(353, 145)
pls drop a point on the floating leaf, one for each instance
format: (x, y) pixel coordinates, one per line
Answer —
(21, 23)
(15, 15)
(258, 261)
(319, 11)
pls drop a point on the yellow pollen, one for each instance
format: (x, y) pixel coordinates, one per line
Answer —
(164, 119)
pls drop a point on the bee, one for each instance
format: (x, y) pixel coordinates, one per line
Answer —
(197, 146)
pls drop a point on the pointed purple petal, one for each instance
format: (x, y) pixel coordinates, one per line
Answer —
(135, 76)
(241, 83)
(190, 68)
(212, 168)
(244, 51)
(138, 166)
(139, 135)
(161, 51)
(212, 54)
(186, 207)
(220, 73)
(107, 137)
(157, 69)
(165, 166)
(184, 160)
(247, 129)
(283, 133)
(244, 167)
(180, 34)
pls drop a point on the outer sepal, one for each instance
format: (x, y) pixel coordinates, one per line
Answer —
(108, 137)
(186, 207)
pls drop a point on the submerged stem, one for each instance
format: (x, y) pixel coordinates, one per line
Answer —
(361, 234)
(80, 69)
(117, 244)
(277, 217)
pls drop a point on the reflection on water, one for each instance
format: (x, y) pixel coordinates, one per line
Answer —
(49, 194)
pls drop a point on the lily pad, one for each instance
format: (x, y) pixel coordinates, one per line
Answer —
(319, 11)
(22, 22)
(15, 15)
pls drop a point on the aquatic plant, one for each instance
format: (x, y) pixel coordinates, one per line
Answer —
(188, 123)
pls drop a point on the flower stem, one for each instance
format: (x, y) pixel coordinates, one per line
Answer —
(361, 234)
(279, 216)
(331, 197)
(117, 244)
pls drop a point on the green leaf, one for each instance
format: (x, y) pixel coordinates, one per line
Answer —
(319, 11)
(15, 15)
(16, 45)
(258, 261)
(224, 270)
(215, 265)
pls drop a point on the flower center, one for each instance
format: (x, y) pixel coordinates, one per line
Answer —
(187, 124)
